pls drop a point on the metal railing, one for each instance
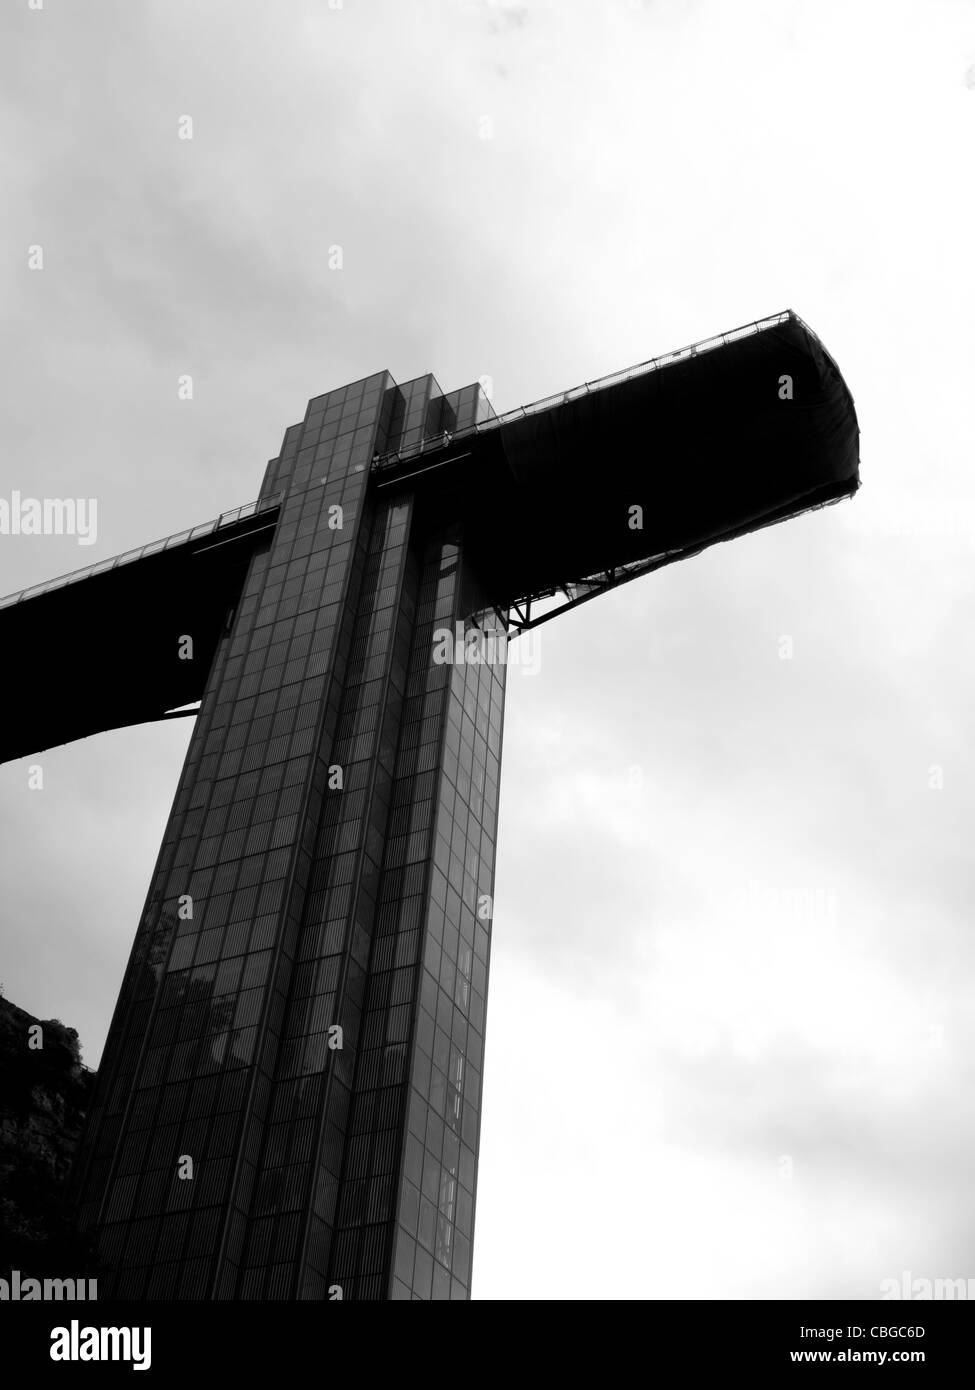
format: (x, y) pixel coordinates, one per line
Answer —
(654, 364)
(180, 538)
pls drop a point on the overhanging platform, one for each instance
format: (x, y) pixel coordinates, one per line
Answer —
(710, 442)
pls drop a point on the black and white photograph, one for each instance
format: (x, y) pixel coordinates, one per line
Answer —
(390, 385)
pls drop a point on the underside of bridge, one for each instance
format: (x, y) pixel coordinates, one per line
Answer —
(710, 443)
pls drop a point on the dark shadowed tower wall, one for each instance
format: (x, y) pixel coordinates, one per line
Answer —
(316, 906)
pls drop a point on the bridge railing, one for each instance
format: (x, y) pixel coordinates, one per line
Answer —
(180, 538)
(447, 437)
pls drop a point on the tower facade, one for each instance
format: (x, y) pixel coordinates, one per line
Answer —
(288, 1104)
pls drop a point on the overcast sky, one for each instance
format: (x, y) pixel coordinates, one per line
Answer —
(729, 1048)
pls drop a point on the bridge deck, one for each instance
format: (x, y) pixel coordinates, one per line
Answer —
(710, 442)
